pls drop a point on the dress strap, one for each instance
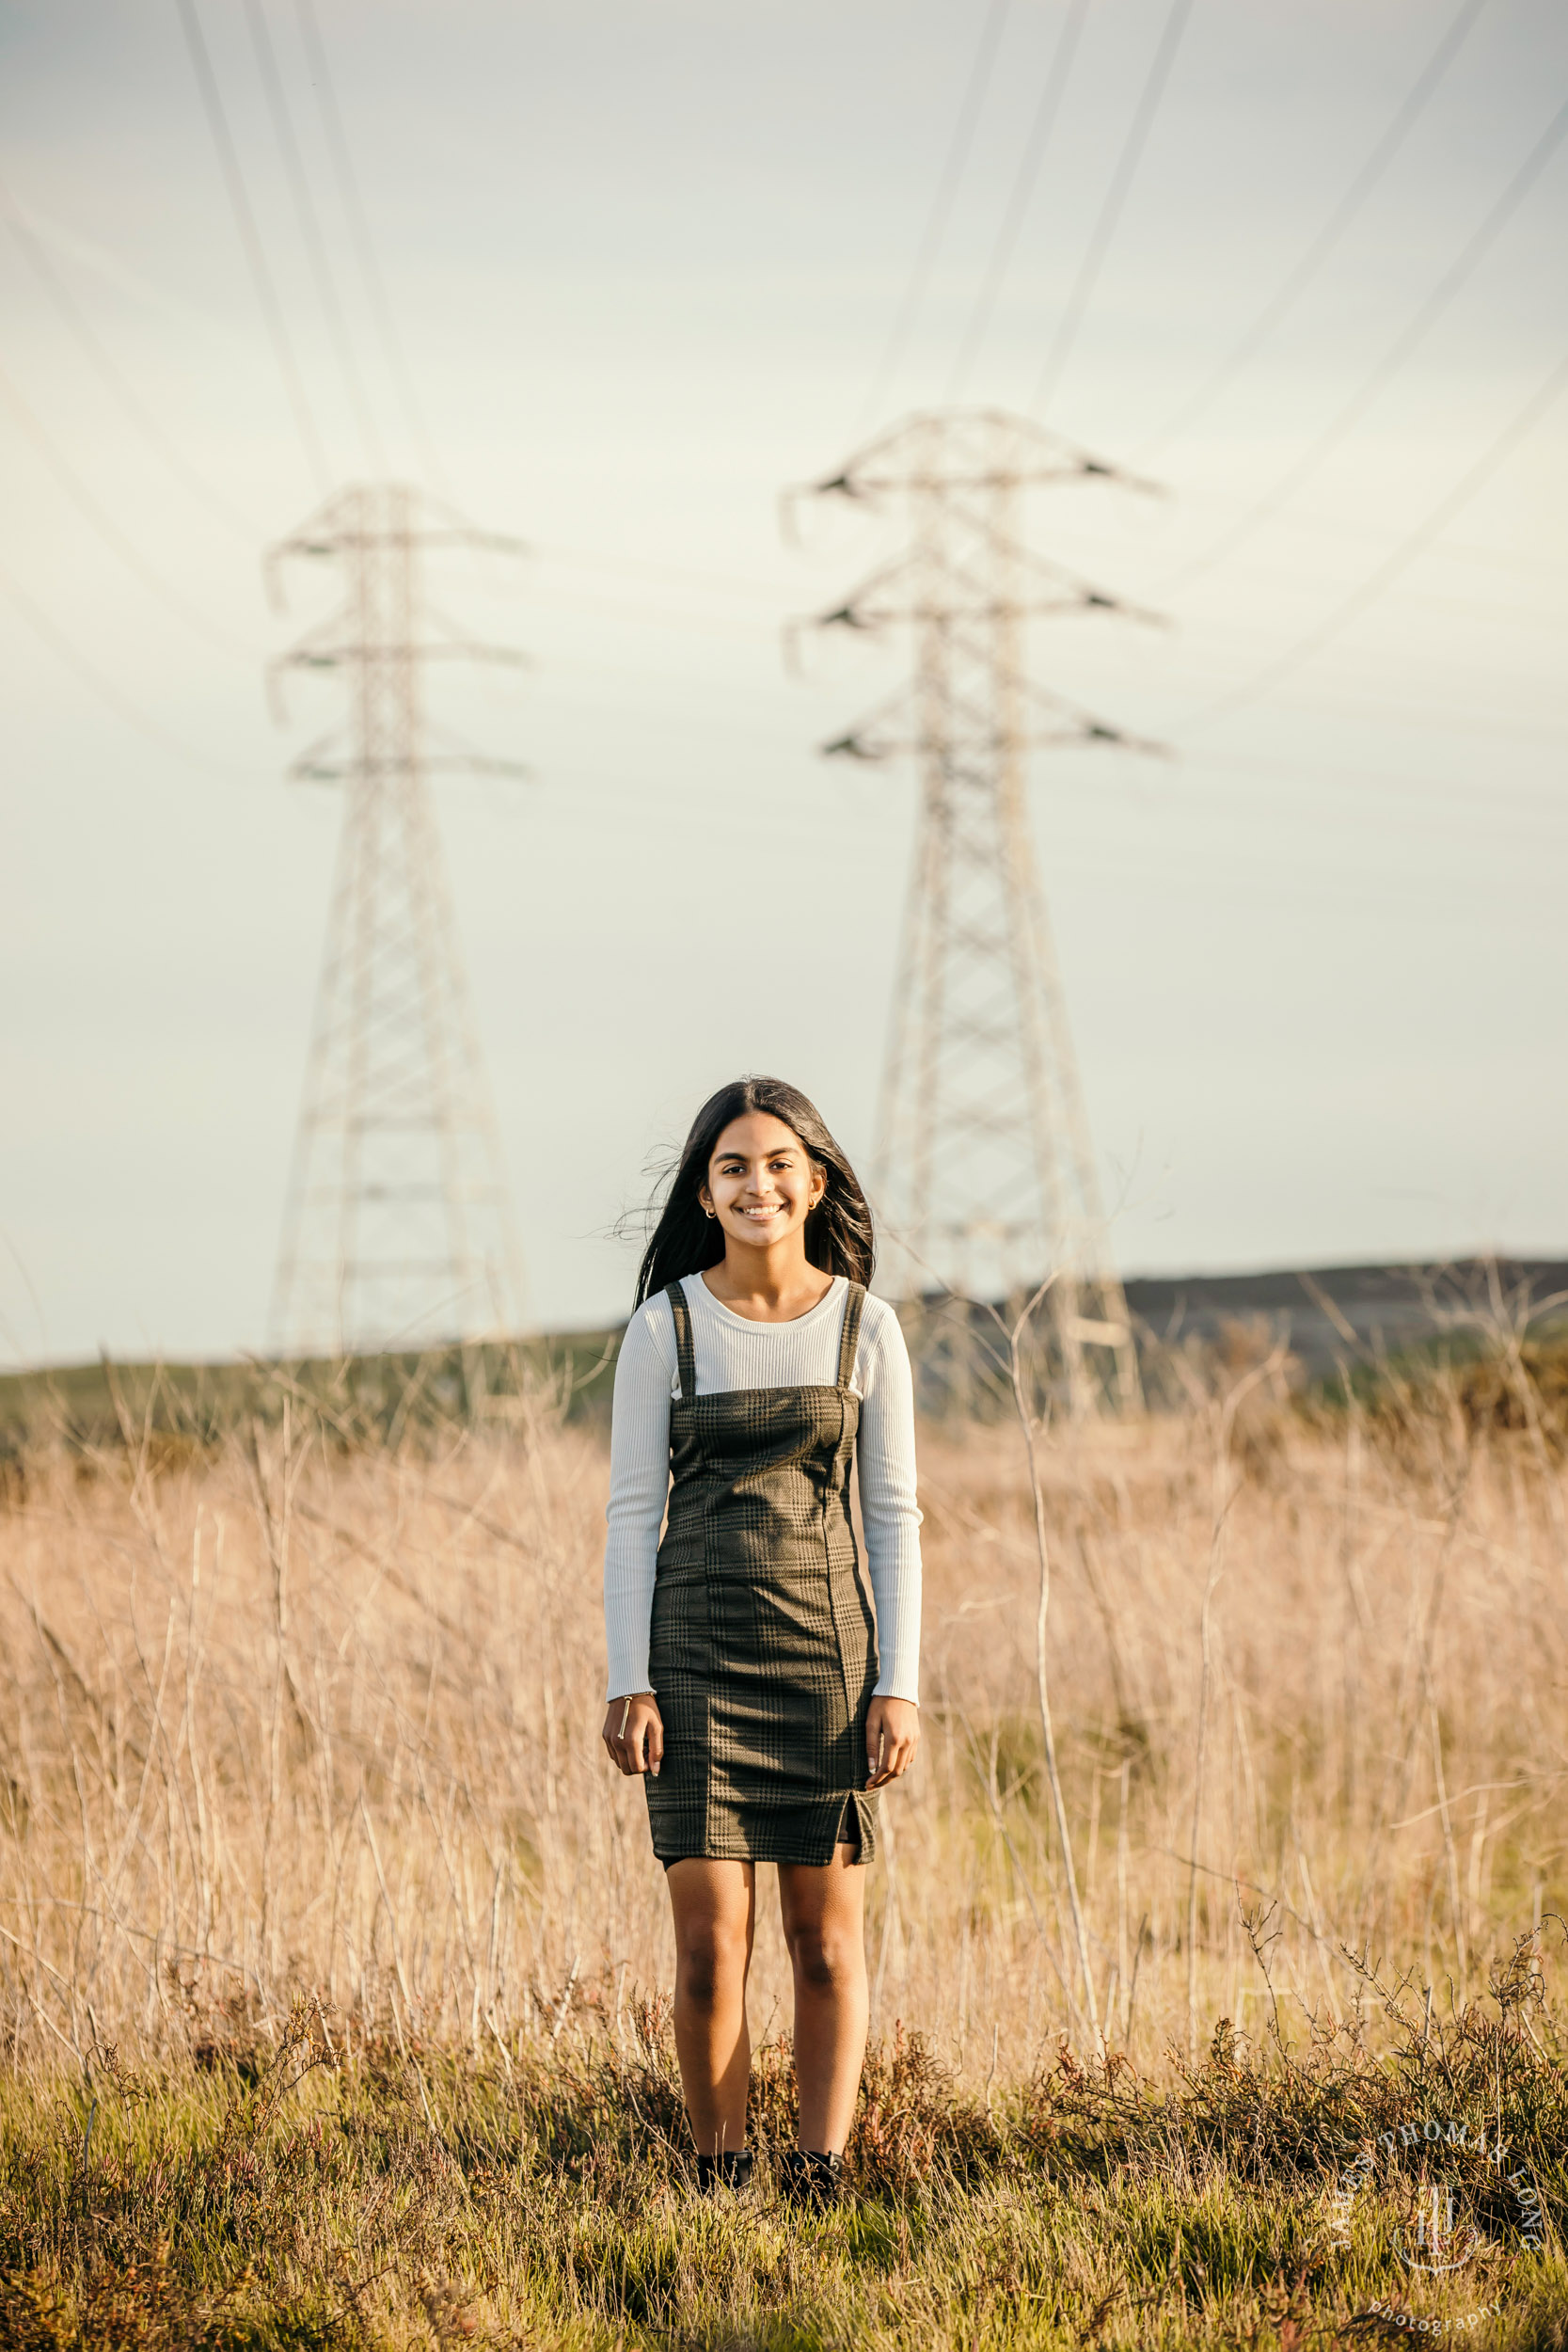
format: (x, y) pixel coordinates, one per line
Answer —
(686, 1356)
(854, 1307)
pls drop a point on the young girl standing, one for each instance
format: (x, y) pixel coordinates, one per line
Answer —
(747, 1683)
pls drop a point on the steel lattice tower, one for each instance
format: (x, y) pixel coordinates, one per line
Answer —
(398, 1230)
(984, 1168)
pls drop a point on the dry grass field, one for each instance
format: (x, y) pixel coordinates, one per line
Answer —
(333, 1957)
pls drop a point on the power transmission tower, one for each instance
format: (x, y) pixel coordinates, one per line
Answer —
(984, 1168)
(398, 1230)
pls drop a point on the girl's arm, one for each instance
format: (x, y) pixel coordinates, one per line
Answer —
(886, 1464)
(638, 1484)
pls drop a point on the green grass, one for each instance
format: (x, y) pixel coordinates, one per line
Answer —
(298, 2190)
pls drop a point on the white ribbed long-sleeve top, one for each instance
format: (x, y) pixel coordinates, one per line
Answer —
(733, 1352)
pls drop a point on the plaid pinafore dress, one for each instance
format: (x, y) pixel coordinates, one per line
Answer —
(763, 1654)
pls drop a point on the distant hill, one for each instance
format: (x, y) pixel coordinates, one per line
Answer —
(1327, 1315)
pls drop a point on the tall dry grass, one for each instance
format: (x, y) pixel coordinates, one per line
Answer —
(285, 1714)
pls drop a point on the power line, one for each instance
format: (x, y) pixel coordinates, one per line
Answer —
(130, 712)
(947, 188)
(244, 222)
(1116, 197)
(1524, 802)
(1062, 55)
(310, 232)
(364, 248)
(1431, 717)
(587, 559)
(105, 527)
(141, 418)
(1287, 296)
(1410, 336)
(1402, 557)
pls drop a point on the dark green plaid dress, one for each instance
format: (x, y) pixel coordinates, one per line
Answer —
(763, 1656)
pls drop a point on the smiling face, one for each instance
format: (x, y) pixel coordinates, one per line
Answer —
(762, 1185)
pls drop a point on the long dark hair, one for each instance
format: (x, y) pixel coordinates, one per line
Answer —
(839, 1236)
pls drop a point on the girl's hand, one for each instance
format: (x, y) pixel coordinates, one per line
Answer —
(892, 1737)
(634, 1734)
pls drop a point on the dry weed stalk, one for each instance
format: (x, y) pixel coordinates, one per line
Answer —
(1032, 1426)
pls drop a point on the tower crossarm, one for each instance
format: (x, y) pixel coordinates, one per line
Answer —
(471, 649)
(910, 591)
(899, 728)
(322, 649)
(466, 535)
(960, 452)
(340, 527)
(326, 763)
(330, 646)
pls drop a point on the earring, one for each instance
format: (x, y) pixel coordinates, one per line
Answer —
(708, 1212)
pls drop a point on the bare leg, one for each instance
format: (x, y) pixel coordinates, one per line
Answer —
(715, 1908)
(824, 1925)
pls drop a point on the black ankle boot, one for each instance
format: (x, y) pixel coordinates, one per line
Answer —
(733, 2170)
(810, 2176)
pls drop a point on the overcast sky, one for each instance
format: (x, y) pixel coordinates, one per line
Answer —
(646, 261)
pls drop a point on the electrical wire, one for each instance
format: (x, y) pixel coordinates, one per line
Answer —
(1116, 197)
(936, 223)
(1280, 304)
(723, 584)
(120, 703)
(1526, 800)
(1391, 568)
(144, 423)
(1025, 179)
(364, 247)
(100, 521)
(311, 233)
(251, 240)
(1411, 335)
(1428, 716)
